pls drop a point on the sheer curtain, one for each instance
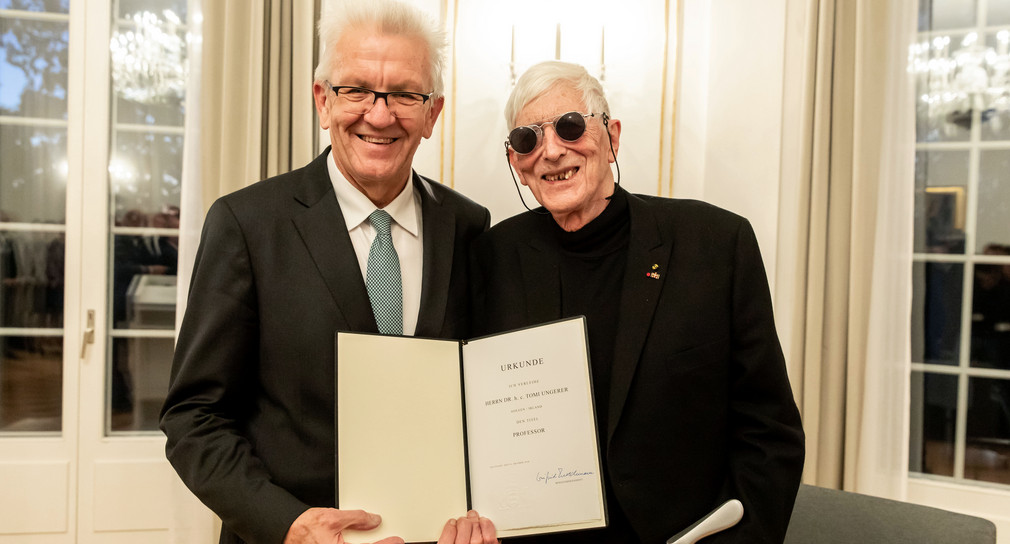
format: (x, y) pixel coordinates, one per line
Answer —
(252, 115)
(846, 231)
(256, 94)
(884, 166)
(249, 115)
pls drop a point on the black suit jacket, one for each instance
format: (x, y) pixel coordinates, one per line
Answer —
(700, 407)
(249, 413)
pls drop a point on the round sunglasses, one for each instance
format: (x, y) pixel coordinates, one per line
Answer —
(568, 126)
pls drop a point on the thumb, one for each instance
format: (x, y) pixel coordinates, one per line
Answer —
(359, 520)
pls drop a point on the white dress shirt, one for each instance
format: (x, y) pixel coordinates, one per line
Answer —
(406, 231)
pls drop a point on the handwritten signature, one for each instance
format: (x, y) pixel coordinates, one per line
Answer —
(560, 474)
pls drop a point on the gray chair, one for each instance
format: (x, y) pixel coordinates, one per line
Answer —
(829, 516)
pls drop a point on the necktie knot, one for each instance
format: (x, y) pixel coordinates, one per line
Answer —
(380, 220)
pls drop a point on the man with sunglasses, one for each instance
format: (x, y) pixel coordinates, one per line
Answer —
(693, 404)
(354, 241)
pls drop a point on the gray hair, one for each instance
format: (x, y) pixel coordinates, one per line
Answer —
(542, 77)
(389, 17)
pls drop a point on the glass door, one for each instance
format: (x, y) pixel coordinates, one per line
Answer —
(91, 131)
(39, 244)
(960, 426)
(148, 84)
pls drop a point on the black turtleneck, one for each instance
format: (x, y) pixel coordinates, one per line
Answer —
(592, 261)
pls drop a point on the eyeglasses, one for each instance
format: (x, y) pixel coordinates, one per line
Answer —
(569, 127)
(359, 100)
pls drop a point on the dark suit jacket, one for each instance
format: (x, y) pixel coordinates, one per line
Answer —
(249, 413)
(700, 406)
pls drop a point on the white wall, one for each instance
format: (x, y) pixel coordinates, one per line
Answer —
(729, 116)
(467, 152)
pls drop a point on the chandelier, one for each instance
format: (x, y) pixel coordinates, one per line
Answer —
(149, 62)
(955, 84)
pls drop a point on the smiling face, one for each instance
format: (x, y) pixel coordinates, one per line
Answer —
(374, 150)
(571, 179)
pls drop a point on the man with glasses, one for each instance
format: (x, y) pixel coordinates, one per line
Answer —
(354, 241)
(693, 405)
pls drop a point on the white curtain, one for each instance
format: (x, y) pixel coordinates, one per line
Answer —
(884, 171)
(848, 171)
(256, 92)
(192, 522)
(249, 115)
(191, 205)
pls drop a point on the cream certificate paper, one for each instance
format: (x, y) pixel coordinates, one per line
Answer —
(400, 434)
(531, 429)
(533, 455)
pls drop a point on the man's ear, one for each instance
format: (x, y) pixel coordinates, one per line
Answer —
(321, 94)
(614, 128)
(436, 108)
(512, 158)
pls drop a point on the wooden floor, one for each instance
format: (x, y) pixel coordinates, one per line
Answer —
(31, 386)
(983, 461)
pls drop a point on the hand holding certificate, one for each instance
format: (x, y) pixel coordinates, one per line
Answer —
(512, 435)
(324, 524)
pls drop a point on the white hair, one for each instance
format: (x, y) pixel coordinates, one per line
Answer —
(544, 76)
(388, 17)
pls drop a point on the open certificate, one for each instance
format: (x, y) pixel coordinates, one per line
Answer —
(503, 424)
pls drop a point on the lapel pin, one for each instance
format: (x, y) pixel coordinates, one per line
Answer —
(653, 275)
(655, 266)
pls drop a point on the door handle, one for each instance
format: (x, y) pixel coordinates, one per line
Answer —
(89, 333)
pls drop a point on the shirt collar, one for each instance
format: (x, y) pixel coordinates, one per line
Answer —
(356, 207)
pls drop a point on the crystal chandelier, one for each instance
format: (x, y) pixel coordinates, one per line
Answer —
(149, 62)
(955, 84)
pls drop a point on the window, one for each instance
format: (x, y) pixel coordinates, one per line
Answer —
(91, 116)
(960, 408)
(144, 90)
(34, 43)
(148, 70)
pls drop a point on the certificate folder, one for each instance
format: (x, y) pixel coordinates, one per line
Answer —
(504, 424)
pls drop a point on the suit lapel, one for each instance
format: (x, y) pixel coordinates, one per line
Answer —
(323, 230)
(646, 272)
(438, 229)
(538, 261)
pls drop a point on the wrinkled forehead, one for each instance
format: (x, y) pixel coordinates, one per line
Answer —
(557, 100)
(362, 56)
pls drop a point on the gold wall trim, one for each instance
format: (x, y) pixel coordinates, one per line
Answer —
(678, 27)
(441, 119)
(455, 64)
(662, 97)
(669, 69)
